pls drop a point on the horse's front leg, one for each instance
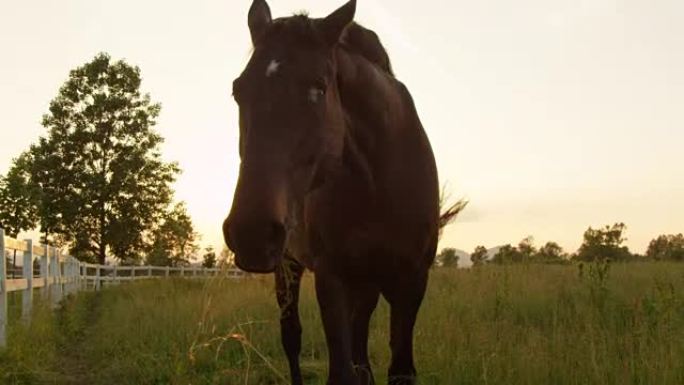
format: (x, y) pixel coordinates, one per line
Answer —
(333, 301)
(288, 277)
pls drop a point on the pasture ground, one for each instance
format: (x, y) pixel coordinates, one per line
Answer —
(492, 325)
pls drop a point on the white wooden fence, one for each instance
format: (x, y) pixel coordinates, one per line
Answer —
(57, 275)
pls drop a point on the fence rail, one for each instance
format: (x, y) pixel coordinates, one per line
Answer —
(45, 267)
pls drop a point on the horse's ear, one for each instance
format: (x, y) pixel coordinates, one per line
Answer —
(335, 23)
(258, 19)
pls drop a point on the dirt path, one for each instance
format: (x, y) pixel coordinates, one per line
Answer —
(75, 323)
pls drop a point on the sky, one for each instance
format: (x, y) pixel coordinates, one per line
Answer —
(549, 116)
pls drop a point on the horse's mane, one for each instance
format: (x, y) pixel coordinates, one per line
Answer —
(366, 43)
(356, 39)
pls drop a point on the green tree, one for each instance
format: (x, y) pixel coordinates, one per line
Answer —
(53, 187)
(209, 258)
(226, 258)
(550, 252)
(174, 240)
(604, 243)
(526, 249)
(99, 169)
(507, 254)
(479, 256)
(666, 247)
(158, 253)
(18, 211)
(447, 257)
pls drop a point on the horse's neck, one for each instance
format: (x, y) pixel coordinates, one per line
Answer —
(375, 105)
(390, 148)
(367, 92)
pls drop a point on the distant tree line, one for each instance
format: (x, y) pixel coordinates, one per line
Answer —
(96, 182)
(606, 243)
(223, 260)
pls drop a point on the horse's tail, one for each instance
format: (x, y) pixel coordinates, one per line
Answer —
(449, 215)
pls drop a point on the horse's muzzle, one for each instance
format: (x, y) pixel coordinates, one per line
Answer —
(258, 246)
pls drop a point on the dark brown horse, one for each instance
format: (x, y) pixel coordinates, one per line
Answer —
(338, 176)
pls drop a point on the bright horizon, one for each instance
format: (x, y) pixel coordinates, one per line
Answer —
(549, 116)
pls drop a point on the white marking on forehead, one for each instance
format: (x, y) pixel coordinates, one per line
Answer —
(272, 67)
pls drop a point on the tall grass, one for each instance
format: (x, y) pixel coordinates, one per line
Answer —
(622, 324)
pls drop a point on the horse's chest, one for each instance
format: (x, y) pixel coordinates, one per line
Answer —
(298, 245)
(350, 230)
(326, 226)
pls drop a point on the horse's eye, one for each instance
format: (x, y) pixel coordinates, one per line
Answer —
(321, 84)
(315, 94)
(317, 90)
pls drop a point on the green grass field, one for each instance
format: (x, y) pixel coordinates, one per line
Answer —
(493, 325)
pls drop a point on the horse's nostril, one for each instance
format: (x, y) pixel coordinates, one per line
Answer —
(258, 245)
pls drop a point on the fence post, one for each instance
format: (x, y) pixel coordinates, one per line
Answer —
(27, 295)
(84, 269)
(81, 273)
(67, 275)
(149, 271)
(168, 271)
(52, 264)
(114, 275)
(75, 274)
(56, 288)
(3, 291)
(58, 265)
(182, 271)
(45, 271)
(68, 282)
(50, 252)
(97, 277)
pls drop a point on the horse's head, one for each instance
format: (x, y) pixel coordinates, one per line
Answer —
(291, 127)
